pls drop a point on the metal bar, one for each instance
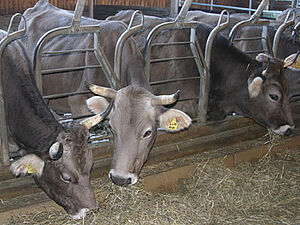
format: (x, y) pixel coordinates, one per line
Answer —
(173, 80)
(171, 58)
(121, 41)
(171, 43)
(205, 81)
(10, 37)
(91, 8)
(57, 96)
(69, 69)
(69, 51)
(252, 21)
(182, 14)
(250, 38)
(280, 30)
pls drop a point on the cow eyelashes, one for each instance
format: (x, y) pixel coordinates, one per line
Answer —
(147, 133)
(274, 97)
(65, 178)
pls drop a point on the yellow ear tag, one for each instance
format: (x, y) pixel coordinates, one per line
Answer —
(297, 65)
(30, 169)
(173, 125)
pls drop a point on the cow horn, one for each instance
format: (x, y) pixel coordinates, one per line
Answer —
(102, 91)
(292, 59)
(56, 151)
(165, 99)
(92, 121)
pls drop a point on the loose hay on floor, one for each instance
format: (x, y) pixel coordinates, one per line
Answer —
(265, 192)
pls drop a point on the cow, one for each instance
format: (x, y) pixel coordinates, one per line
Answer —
(57, 156)
(238, 84)
(136, 114)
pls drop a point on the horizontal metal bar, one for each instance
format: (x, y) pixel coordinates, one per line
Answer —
(172, 58)
(173, 80)
(69, 69)
(172, 43)
(255, 51)
(69, 51)
(64, 95)
(249, 39)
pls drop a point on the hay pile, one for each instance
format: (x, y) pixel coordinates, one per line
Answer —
(266, 192)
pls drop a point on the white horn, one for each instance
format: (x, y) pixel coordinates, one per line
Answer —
(102, 91)
(165, 99)
(56, 151)
(92, 121)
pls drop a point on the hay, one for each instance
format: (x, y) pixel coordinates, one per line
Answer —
(265, 192)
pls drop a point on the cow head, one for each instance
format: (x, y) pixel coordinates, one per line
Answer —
(134, 120)
(63, 172)
(268, 93)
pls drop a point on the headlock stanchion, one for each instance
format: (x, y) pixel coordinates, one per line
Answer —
(197, 54)
(10, 37)
(282, 28)
(113, 76)
(254, 21)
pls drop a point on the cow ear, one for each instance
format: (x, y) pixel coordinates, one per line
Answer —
(174, 120)
(97, 104)
(28, 164)
(255, 86)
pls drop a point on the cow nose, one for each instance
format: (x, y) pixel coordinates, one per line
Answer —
(120, 180)
(288, 132)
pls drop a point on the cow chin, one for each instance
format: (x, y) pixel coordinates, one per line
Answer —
(284, 130)
(123, 179)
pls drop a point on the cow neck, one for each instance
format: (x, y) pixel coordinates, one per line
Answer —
(29, 119)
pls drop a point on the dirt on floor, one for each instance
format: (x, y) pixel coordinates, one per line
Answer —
(264, 192)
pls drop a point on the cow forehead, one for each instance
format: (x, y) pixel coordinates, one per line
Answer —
(132, 106)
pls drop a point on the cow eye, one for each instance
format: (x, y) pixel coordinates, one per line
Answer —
(147, 133)
(65, 178)
(274, 97)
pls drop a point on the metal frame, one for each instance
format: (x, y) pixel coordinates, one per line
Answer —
(112, 75)
(254, 21)
(295, 4)
(200, 60)
(287, 23)
(10, 37)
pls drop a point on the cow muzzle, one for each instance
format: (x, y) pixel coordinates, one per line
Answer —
(285, 130)
(122, 180)
(80, 214)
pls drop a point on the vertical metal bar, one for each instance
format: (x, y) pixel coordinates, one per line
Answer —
(77, 14)
(106, 67)
(250, 7)
(211, 5)
(174, 8)
(91, 8)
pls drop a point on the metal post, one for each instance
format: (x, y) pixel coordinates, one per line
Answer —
(174, 8)
(91, 8)
(250, 6)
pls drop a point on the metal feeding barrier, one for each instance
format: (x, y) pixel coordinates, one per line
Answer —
(287, 23)
(113, 76)
(202, 62)
(10, 37)
(254, 21)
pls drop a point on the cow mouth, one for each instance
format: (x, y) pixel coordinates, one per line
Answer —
(80, 214)
(284, 130)
(122, 180)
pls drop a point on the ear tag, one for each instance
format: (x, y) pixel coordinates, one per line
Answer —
(173, 125)
(297, 65)
(30, 169)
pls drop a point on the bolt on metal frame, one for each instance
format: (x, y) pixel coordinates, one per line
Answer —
(10, 37)
(200, 60)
